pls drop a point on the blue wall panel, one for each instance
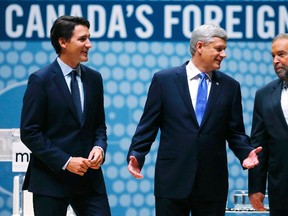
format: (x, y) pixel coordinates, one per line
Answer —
(127, 66)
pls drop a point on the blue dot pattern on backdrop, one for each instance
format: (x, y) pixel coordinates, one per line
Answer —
(127, 69)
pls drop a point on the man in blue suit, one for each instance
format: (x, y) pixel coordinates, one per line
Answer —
(191, 174)
(270, 130)
(67, 149)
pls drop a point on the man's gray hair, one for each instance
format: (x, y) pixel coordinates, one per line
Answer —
(205, 33)
(280, 36)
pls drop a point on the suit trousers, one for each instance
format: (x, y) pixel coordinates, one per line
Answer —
(84, 205)
(278, 212)
(183, 207)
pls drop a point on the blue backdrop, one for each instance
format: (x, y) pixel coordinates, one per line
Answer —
(131, 41)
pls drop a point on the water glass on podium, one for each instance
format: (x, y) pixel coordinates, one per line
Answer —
(266, 201)
(238, 200)
(246, 202)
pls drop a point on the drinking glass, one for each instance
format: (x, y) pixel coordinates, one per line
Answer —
(238, 200)
(246, 202)
(266, 201)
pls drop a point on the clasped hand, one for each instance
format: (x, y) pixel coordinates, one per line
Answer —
(80, 165)
(256, 200)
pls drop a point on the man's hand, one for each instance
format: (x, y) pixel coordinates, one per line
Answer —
(134, 168)
(96, 158)
(256, 200)
(78, 165)
(252, 160)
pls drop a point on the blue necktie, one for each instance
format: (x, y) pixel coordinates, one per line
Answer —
(76, 94)
(201, 98)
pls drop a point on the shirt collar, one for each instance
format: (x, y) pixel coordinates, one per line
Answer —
(193, 71)
(66, 69)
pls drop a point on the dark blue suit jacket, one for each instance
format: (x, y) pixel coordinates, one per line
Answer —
(189, 152)
(270, 130)
(51, 130)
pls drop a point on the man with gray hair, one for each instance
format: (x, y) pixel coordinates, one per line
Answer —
(197, 108)
(270, 130)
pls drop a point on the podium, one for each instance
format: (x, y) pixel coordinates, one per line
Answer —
(22, 199)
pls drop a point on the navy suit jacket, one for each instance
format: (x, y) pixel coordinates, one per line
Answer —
(270, 130)
(188, 152)
(51, 130)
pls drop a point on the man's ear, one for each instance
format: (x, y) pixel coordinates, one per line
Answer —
(199, 47)
(62, 42)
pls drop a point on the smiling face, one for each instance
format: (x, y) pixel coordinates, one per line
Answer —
(279, 54)
(209, 56)
(76, 49)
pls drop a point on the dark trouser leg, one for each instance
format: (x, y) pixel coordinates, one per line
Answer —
(278, 212)
(183, 207)
(47, 206)
(91, 205)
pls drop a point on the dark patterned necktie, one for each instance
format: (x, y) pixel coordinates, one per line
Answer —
(76, 94)
(201, 98)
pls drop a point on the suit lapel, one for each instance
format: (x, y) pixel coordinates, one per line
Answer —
(213, 95)
(85, 82)
(276, 102)
(182, 85)
(62, 86)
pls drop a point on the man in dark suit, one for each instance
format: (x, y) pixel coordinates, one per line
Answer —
(270, 130)
(191, 174)
(67, 149)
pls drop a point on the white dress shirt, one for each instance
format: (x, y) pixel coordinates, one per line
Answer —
(284, 103)
(66, 73)
(194, 80)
